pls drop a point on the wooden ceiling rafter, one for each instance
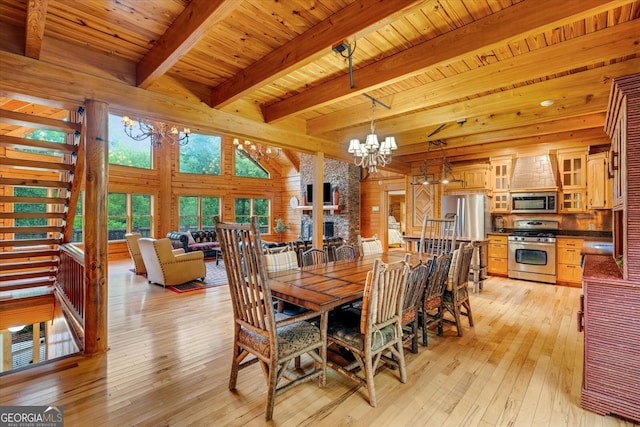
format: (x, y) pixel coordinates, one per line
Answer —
(360, 16)
(184, 33)
(604, 45)
(34, 28)
(509, 24)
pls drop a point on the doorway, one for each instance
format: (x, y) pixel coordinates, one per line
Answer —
(397, 218)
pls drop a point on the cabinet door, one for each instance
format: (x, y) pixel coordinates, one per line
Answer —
(500, 202)
(573, 168)
(598, 182)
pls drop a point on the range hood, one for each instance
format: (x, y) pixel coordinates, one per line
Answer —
(535, 173)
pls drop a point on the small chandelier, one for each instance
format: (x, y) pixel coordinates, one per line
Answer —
(256, 151)
(446, 176)
(371, 153)
(158, 132)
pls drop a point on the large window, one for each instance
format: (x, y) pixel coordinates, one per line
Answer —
(128, 213)
(245, 208)
(124, 150)
(196, 213)
(201, 155)
(247, 167)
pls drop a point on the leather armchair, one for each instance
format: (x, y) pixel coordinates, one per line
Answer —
(167, 268)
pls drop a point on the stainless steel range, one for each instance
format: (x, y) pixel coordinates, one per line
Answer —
(532, 250)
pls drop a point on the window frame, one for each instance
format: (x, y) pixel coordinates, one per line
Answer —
(199, 213)
(128, 215)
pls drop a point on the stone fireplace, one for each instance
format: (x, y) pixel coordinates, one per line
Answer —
(345, 222)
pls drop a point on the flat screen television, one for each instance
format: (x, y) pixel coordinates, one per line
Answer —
(326, 193)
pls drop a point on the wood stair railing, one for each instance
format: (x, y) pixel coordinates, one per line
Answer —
(38, 197)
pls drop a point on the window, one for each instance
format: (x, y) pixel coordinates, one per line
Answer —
(196, 213)
(245, 208)
(77, 220)
(128, 212)
(201, 155)
(30, 208)
(124, 150)
(247, 167)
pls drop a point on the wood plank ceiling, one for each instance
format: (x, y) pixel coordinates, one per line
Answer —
(484, 63)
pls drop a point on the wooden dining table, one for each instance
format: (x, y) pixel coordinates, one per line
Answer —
(327, 286)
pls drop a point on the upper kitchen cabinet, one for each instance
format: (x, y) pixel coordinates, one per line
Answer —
(572, 165)
(599, 182)
(499, 183)
(472, 177)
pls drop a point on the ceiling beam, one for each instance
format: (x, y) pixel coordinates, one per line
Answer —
(34, 28)
(467, 148)
(307, 47)
(593, 48)
(499, 131)
(510, 24)
(564, 90)
(184, 33)
(22, 75)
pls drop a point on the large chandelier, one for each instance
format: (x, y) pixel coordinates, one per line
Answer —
(256, 151)
(158, 132)
(371, 153)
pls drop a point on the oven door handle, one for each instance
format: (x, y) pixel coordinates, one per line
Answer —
(520, 243)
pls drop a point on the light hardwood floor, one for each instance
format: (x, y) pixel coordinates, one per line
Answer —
(169, 361)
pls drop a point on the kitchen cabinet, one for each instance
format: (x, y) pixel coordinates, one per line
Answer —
(472, 177)
(599, 182)
(498, 254)
(573, 177)
(618, 157)
(568, 259)
(500, 178)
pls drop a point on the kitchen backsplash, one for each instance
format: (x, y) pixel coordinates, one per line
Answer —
(595, 222)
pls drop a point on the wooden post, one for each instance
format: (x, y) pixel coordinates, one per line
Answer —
(95, 228)
(317, 215)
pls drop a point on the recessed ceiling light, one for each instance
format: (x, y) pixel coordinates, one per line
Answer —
(547, 102)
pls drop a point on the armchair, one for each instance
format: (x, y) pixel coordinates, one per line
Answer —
(167, 268)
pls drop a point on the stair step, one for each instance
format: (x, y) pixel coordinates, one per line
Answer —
(31, 230)
(29, 265)
(29, 242)
(19, 182)
(26, 284)
(16, 276)
(29, 254)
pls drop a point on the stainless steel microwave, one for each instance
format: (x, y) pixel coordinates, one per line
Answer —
(544, 202)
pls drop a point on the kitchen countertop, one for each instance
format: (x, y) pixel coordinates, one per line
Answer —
(594, 247)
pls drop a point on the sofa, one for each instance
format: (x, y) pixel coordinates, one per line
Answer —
(201, 240)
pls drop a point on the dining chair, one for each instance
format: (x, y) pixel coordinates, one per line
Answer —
(418, 277)
(430, 311)
(456, 298)
(273, 339)
(438, 236)
(369, 245)
(368, 334)
(344, 252)
(314, 256)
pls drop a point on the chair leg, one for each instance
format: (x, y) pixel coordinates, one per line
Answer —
(271, 391)
(424, 328)
(233, 377)
(368, 375)
(467, 305)
(414, 338)
(457, 316)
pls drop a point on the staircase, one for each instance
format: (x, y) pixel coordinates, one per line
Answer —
(38, 191)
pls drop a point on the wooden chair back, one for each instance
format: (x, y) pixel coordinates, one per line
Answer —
(248, 282)
(418, 277)
(314, 256)
(369, 245)
(344, 252)
(438, 236)
(434, 293)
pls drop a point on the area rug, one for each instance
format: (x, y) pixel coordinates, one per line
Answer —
(216, 276)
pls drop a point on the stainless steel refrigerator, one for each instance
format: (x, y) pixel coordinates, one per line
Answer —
(474, 218)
